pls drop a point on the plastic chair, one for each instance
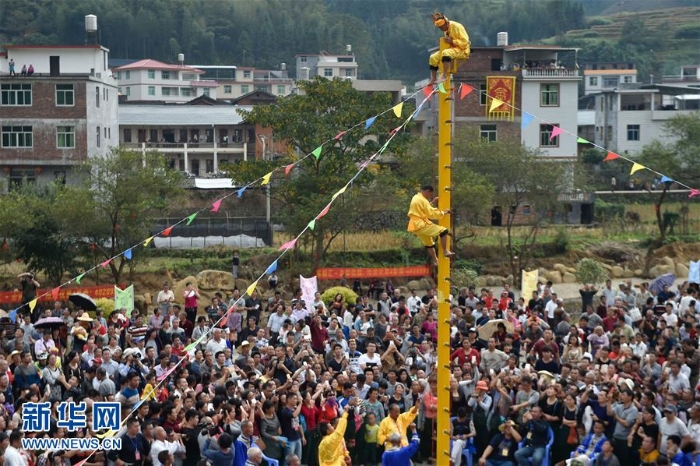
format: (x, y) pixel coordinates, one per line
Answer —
(547, 448)
(270, 461)
(466, 453)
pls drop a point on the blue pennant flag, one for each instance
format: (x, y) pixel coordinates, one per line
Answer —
(370, 122)
(417, 112)
(526, 119)
(666, 179)
(13, 315)
(271, 268)
(241, 191)
(127, 254)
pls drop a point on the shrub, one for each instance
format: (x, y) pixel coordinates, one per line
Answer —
(608, 211)
(590, 271)
(472, 264)
(562, 240)
(349, 296)
(106, 305)
(464, 277)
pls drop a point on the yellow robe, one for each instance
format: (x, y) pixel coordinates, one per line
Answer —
(388, 426)
(461, 46)
(419, 214)
(331, 450)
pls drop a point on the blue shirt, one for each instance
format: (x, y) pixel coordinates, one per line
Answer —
(402, 456)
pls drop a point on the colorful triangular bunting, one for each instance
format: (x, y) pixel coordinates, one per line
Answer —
(241, 191)
(191, 218)
(168, 230)
(128, 254)
(397, 109)
(666, 179)
(32, 304)
(194, 344)
(636, 167)
(266, 178)
(556, 131)
(288, 168)
(611, 156)
(441, 88)
(215, 206)
(694, 192)
(370, 122)
(271, 268)
(312, 224)
(148, 241)
(582, 141)
(78, 278)
(55, 292)
(105, 263)
(340, 135)
(339, 192)
(288, 245)
(427, 91)
(525, 120)
(317, 152)
(251, 288)
(325, 210)
(495, 103)
(465, 90)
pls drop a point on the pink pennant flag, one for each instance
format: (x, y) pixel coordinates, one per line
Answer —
(168, 230)
(395, 130)
(340, 135)
(364, 164)
(325, 210)
(694, 192)
(556, 131)
(427, 90)
(166, 374)
(106, 263)
(81, 463)
(54, 293)
(465, 91)
(215, 206)
(288, 168)
(288, 245)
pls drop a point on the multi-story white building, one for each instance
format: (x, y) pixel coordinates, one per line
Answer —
(58, 117)
(627, 120)
(324, 64)
(598, 77)
(151, 80)
(235, 81)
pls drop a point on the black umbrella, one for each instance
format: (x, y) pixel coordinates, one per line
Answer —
(49, 323)
(83, 301)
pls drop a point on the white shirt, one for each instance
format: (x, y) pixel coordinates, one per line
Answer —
(414, 303)
(14, 458)
(215, 347)
(671, 319)
(550, 308)
(639, 349)
(160, 445)
(165, 296)
(366, 359)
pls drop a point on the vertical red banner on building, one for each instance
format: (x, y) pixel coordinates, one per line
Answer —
(503, 89)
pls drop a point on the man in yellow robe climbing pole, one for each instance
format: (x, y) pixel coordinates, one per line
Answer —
(420, 213)
(460, 46)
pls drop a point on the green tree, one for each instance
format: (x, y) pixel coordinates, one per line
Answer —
(677, 160)
(119, 200)
(315, 115)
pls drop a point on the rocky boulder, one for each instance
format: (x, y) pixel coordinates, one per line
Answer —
(617, 271)
(215, 280)
(568, 277)
(554, 276)
(681, 270)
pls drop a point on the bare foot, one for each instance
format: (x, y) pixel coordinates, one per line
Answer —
(449, 253)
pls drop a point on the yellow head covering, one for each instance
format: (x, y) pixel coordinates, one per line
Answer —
(439, 19)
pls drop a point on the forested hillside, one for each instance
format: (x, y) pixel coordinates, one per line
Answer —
(389, 37)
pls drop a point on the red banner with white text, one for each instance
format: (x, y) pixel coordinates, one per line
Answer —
(337, 273)
(95, 292)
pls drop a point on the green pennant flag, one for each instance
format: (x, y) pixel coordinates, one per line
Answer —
(312, 224)
(194, 344)
(191, 218)
(582, 141)
(441, 88)
(317, 152)
(80, 277)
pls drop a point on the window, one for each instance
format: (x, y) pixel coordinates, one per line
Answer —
(98, 136)
(128, 91)
(633, 132)
(17, 137)
(527, 209)
(119, 75)
(151, 74)
(549, 95)
(227, 89)
(65, 96)
(280, 90)
(244, 89)
(65, 137)
(328, 72)
(482, 94)
(109, 133)
(127, 75)
(610, 82)
(627, 79)
(106, 133)
(151, 90)
(127, 135)
(206, 91)
(97, 96)
(302, 59)
(165, 91)
(246, 74)
(186, 92)
(19, 177)
(349, 72)
(105, 94)
(593, 81)
(488, 132)
(16, 94)
(545, 133)
(165, 74)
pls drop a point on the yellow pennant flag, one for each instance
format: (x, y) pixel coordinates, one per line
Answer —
(397, 109)
(340, 191)
(251, 288)
(147, 242)
(636, 167)
(32, 304)
(266, 179)
(495, 103)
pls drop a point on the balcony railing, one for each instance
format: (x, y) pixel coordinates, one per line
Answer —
(550, 73)
(181, 147)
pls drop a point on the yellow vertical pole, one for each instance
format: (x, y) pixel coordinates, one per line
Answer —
(444, 126)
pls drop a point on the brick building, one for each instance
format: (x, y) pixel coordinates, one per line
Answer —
(58, 117)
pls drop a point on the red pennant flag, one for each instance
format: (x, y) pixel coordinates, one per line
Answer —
(215, 206)
(324, 211)
(225, 318)
(395, 130)
(106, 263)
(465, 91)
(611, 156)
(54, 293)
(340, 135)
(168, 230)
(288, 168)
(694, 192)
(427, 90)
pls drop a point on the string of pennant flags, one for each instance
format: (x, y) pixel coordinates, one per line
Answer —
(527, 118)
(264, 180)
(289, 245)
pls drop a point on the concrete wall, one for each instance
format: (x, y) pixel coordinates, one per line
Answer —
(565, 116)
(73, 60)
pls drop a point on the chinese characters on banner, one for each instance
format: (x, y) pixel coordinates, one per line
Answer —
(338, 273)
(503, 89)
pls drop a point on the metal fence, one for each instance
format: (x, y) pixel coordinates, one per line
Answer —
(212, 231)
